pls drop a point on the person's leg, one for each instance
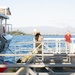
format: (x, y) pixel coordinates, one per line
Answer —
(67, 47)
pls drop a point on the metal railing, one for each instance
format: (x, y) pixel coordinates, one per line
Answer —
(58, 45)
(49, 46)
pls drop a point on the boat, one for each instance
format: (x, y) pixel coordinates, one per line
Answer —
(56, 58)
(5, 38)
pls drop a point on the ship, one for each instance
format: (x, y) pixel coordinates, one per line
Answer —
(56, 58)
(5, 38)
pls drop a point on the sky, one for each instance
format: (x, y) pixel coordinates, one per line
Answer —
(57, 13)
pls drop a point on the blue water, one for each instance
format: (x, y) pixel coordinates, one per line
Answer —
(20, 38)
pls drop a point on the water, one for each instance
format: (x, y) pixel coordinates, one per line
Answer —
(21, 38)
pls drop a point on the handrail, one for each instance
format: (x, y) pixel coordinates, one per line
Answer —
(39, 65)
(36, 54)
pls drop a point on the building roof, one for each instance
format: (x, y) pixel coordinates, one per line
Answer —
(5, 10)
(4, 16)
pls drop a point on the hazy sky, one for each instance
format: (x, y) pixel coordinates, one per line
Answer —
(41, 12)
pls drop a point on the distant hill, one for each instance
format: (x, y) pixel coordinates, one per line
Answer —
(46, 29)
(17, 33)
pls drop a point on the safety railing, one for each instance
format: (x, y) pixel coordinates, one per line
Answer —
(58, 45)
(49, 46)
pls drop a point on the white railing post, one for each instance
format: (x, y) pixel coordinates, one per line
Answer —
(56, 46)
(42, 51)
(15, 53)
(71, 47)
